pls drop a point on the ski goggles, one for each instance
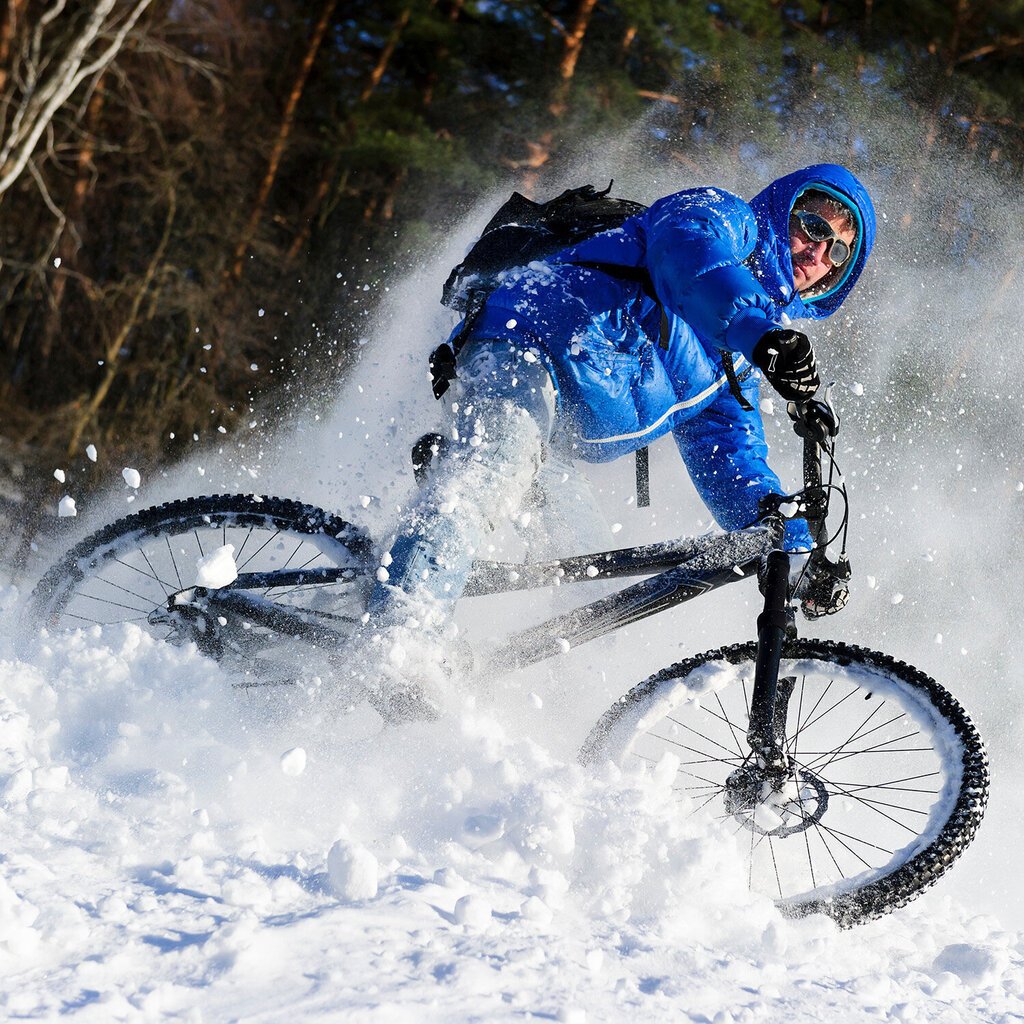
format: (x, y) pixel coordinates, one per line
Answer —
(817, 229)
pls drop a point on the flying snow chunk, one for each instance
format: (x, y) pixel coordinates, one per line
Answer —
(217, 569)
(58, 475)
(511, 323)
(90, 451)
(352, 871)
(856, 388)
(66, 509)
(897, 598)
(132, 477)
(767, 406)
(293, 762)
(473, 912)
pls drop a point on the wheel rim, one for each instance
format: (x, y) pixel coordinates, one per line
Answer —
(876, 772)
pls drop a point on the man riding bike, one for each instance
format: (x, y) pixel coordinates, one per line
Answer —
(571, 358)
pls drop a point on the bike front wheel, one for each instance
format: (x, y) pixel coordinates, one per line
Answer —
(886, 783)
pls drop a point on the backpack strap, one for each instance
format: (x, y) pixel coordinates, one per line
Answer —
(734, 382)
(442, 361)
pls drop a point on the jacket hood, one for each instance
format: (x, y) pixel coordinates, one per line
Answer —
(771, 258)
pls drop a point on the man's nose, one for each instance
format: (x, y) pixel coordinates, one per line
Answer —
(817, 251)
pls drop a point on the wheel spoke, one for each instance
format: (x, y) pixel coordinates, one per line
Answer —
(858, 734)
(113, 604)
(145, 599)
(238, 553)
(775, 865)
(273, 536)
(728, 721)
(834, 756)
(174, 562)
(801, 725)
(731, 761)
(697, 732)
(829, 711)
(153, 574)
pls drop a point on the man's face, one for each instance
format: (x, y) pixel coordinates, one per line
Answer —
(810, 263)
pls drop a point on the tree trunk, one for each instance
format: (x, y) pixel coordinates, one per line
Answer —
(570, 55)
(385, 55)
(111, 364)
(311, 211)
(280, 144)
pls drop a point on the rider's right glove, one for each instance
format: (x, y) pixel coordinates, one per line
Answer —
(787, 361)
(824, 587)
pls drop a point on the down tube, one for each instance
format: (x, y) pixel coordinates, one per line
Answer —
(659, 593)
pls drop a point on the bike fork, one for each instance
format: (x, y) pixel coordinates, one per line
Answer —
(770, 699)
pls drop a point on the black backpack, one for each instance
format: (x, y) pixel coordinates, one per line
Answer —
(520, 233)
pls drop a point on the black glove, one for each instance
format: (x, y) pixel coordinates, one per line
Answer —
(814, 419)
(787, 360)
(823, 587)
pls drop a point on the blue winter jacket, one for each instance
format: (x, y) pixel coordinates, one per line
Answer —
(721, 269)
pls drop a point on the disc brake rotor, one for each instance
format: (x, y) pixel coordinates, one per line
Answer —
(771, 807)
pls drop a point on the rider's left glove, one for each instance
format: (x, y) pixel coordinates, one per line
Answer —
(824, 587)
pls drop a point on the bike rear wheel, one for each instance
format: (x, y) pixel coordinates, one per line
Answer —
(887, 784)
(129, 569)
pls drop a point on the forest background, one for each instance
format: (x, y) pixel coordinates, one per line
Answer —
(202, 201)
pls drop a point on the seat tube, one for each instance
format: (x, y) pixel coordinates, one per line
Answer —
(772, 626)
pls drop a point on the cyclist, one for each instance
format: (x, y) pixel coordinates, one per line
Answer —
(569, 359)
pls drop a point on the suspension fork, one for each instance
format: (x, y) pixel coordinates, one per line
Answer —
(770, 699)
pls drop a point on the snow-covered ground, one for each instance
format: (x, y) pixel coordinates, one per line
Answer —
(173, 849)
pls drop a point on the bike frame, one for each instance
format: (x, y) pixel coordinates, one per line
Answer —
(683, 570)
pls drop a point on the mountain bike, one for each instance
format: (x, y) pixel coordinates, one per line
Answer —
(852, 779)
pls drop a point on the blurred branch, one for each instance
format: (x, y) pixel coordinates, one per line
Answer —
(1001, 47)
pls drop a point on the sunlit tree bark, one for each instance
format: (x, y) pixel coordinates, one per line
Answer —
(281, 142)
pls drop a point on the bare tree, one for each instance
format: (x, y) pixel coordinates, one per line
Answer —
(61, 49)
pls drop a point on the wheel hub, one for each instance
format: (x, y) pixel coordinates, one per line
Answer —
(776, 802)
